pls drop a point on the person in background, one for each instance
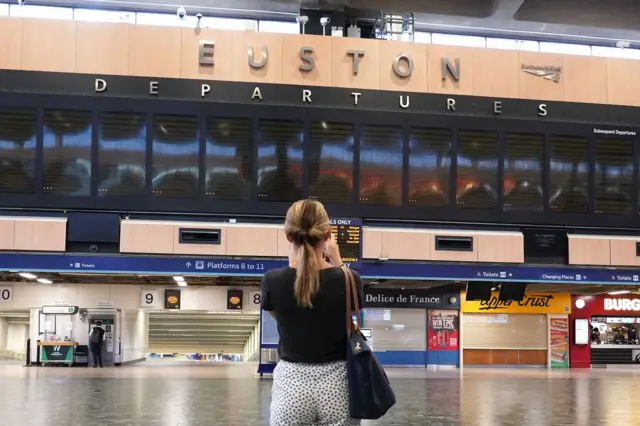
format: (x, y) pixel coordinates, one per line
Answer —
(96, 338)
(308, 301)
(632, 335)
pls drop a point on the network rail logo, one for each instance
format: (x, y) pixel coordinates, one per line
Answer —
(548, 72)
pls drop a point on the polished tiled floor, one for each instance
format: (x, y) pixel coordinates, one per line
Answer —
(204, 394)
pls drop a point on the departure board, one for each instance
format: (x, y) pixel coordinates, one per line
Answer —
(348, 233)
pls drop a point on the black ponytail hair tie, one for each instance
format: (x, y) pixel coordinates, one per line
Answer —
(303, 236)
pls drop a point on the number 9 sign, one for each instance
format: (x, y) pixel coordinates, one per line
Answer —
(150, 299)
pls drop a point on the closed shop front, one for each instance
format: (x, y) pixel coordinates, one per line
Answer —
(532, 332)
(412, 327)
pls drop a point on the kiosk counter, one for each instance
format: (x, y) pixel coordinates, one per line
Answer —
(52, 352)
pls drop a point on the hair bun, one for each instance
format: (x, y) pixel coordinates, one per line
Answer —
(304, 236)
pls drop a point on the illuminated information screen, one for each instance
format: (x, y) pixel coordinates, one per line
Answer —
(348, 233)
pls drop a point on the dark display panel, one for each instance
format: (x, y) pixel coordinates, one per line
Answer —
(331, 162)
(66, 152)
(569, 174)
(280, 152)
(614, 176)
(136, 156)
(348, 233)
(381, 165)
(523, 172)
(477, 180)
(229, 158)
(122, 146)
(429, 166)
(175, 154)
(17, 151)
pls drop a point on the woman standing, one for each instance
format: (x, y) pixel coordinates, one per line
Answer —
(307, 299)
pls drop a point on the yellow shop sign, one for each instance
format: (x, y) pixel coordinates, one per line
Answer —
(533, 303)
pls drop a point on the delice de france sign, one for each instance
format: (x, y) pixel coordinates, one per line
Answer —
(399, 298)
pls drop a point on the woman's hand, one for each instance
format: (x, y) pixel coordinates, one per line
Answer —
(332, 251)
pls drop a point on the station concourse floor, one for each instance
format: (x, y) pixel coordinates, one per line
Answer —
(190, 394)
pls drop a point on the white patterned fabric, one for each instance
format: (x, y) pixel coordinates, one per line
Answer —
(310, 395)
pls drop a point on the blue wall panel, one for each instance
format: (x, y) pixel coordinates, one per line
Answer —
(397, 358)
(443, 358)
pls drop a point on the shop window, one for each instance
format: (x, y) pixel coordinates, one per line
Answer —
(505, 331)
(228, 158)
(477, 180)
(280, 160)
(122, 142)
(429, 166)
(17, 151)
(523, 171)
(381, 165)
(614, 176)
(569, 174)
(175, 158)
(397, 329)
(67, 152)
(331, 162)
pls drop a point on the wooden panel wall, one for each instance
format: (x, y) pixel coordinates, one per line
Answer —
(33, 234)
(140, 50)
(419, 244)
(471, 357)
(602, 250)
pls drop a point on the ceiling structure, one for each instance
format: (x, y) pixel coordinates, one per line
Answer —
(578, 21)
(200, 331)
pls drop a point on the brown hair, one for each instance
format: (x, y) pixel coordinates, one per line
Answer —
(306, 225)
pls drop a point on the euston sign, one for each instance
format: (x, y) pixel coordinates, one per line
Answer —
(622, 304)
(402, 64)
(402, 67)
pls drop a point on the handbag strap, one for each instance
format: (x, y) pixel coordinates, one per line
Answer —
(351, 291)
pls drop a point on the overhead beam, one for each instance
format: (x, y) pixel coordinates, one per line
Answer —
(503, 24)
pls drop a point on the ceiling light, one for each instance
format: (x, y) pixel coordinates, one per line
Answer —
(28, 275)
(613, 293)
(178, 279)
(44, 281)
(182, 284)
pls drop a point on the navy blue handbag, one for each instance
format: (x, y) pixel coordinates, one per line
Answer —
(370, 393)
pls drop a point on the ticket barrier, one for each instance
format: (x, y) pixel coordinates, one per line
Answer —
(268, 360)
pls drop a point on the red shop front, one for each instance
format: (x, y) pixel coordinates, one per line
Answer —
(604, 330)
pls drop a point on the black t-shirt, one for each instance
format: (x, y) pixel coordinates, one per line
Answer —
(97, 335)
(309, 335)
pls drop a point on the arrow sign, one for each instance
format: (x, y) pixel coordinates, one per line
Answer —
(188, 264)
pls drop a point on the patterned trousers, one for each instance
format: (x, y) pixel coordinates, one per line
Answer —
(310, 395)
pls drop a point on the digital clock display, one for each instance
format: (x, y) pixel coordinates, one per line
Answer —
(348, 234)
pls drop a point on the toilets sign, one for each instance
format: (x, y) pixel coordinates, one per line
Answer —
(625, 305)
